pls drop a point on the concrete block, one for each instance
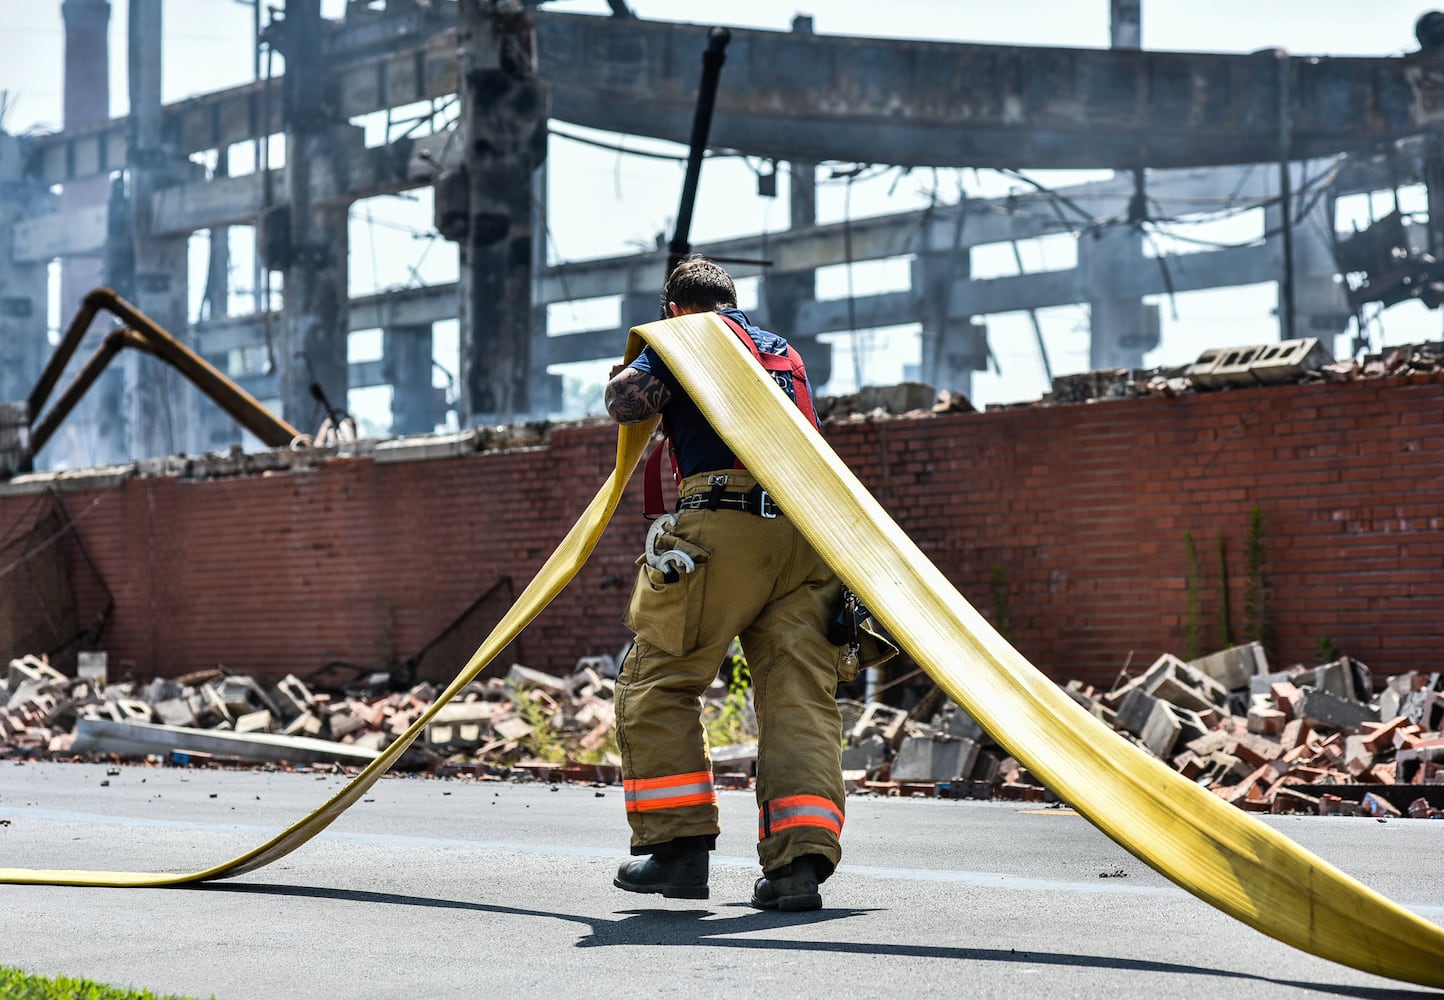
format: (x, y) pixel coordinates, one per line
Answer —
(1184, 686)
(133, 710)
(1149, 719)
(305, 724)
(291, 697)
(1421, 760)
(1345, 677)
(254, 722)
(869, 755)
(1432, 718)
(1261, 685)
(1235, 366)
(1200, 373)
(213, 705)
(882, 719)
(934, 758)
(176, 711)
(26, 691)
(342, 720)
(1290, 360)
(528, 678)
(1234, 667)
(92, 666)
(460, 724)
(31, 668)
(242, 695)
(162, 689)
(1323, 708)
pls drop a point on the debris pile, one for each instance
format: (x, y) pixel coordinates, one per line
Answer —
(1304, 740)
(1289, 361)
(212, 716)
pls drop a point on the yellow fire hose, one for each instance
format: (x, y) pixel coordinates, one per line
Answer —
(1215, 851)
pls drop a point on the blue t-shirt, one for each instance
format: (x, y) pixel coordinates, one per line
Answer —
(697, 446)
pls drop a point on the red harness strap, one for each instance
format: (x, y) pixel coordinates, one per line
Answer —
(789, 362)
(654, 505)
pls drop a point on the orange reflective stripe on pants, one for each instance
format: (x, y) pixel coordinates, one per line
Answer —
(671, 792)
(795, 811)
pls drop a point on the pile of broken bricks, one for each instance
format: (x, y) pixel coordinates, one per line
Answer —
(214, 717)
(1305, 740)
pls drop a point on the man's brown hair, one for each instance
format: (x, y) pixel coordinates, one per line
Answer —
(699, 284)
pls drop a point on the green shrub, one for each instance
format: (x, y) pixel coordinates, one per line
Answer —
(16, 985)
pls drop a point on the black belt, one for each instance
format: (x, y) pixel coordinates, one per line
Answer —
(754, 501)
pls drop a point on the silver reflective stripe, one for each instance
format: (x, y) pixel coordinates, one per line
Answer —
(669, 792)
(816, 812)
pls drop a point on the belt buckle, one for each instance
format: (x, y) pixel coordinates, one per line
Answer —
(765, 507)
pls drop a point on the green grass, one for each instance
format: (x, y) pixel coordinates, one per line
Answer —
(16, 985)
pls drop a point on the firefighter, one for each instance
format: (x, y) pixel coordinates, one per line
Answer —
(752, 576)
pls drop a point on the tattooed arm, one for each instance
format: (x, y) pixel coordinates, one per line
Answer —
(633, 396)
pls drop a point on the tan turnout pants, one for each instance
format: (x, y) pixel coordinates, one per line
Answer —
(756, 578)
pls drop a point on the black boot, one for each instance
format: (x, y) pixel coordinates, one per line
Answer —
(676, 875)
(791, 887)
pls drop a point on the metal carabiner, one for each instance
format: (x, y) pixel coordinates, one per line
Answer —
(671, 561)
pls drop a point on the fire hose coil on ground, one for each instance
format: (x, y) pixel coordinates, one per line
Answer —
(1220, 854)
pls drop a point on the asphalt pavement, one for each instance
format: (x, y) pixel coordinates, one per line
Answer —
(462, 888)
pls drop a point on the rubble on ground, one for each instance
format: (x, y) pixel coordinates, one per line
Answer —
(526, 719)
(1217, 369)
(1315, 740)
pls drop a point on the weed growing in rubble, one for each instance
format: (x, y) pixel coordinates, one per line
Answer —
(732, 721)
(16, 985)
(1258, 622)
(1225, 609)
(543, 742)
(1192, 631)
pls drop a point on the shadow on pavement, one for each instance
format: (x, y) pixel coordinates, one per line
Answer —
(704, 927)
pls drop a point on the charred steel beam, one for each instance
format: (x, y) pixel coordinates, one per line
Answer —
(939, 103)
(712, 59)
(145, 334)
(817, 97)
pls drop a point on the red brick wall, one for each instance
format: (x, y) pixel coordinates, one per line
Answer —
(1082, 509)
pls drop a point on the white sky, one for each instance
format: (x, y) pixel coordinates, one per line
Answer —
(604, 203)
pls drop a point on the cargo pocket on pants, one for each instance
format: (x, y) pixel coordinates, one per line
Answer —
(667, 613)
